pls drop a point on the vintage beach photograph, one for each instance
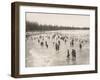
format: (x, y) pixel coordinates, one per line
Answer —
(55, 39)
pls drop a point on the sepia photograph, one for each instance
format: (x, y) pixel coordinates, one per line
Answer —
(57, 39)
(53, 39)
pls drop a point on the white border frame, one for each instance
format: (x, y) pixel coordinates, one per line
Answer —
(34, 70)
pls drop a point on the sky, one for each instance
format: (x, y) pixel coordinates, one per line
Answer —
(59, 19)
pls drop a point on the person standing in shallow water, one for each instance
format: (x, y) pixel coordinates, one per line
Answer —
(57, 47)
(72, 43)
(74, 56)
(80, 45)
(68, 55)
(74, 53)
(42, 44)
(59, 42)
(46, 44)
